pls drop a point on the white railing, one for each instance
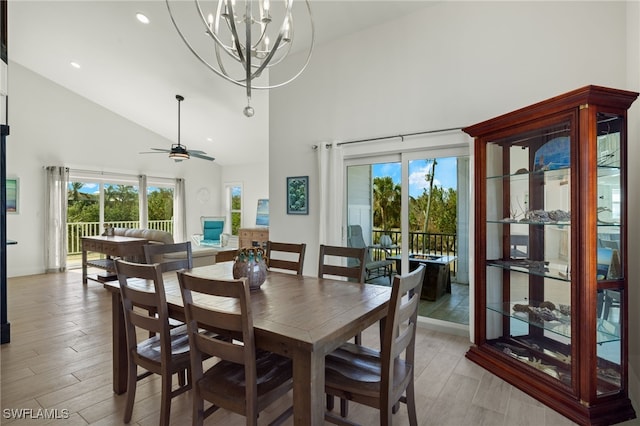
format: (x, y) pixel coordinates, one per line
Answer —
(77, 230)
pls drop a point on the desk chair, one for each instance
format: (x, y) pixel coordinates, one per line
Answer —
(381, 379)
(373, 268)
(167, 352)
(154, 253)
(232, 383)
(290, 265)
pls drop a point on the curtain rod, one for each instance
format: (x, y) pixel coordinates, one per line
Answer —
(401, 136)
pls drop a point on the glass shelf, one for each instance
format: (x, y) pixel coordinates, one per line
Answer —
(523, 174)
(560, 324)
(530, 267)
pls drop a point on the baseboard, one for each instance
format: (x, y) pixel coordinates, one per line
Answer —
(444, 326)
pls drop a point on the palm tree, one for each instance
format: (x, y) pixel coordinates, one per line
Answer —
(386, 202)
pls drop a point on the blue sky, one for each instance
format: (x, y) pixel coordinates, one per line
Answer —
(94, 188)
(446, 173)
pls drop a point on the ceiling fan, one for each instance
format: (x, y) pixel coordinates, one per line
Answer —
(178, 151)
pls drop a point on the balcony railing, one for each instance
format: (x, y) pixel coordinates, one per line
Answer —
(77, 230)
(438, 244)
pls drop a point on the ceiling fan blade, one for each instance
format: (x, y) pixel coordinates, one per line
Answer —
(161, 149)
(152, 152)
(196, 151)
(201, 156)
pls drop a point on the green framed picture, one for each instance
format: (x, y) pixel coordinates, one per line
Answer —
(298, 195)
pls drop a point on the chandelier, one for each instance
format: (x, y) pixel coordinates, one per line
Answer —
(245, 38)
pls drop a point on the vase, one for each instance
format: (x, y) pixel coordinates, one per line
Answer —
(251, 264)
(385, 240)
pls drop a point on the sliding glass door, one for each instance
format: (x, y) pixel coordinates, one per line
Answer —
(412, 209)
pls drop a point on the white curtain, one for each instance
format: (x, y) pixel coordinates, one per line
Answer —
(179, 212)
(331, 178)
(57, 180)
(142, 201)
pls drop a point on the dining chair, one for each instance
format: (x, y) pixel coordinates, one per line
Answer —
(354, 257)
(231, 383)
(381, 379)
(171, 257)
(167, 352)
(288, 263)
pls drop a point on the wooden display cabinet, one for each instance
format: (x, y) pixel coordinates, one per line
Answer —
(551, 252)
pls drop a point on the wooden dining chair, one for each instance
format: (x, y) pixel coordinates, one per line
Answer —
(381, 379)
(167, 352)
(232, 383)
(354, 257)
(288, 263)
(171, 257)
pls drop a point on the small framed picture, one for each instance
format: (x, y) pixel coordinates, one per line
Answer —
(298, 195)
(12, 187)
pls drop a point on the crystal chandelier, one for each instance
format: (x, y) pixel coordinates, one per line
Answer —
(247, 38)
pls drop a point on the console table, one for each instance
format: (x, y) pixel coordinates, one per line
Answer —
(113, 246)
(437, 276)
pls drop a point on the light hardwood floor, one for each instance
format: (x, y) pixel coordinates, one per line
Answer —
(59, 359)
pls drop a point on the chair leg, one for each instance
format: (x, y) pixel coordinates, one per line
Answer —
(165, 405)
(198, 407)
(132, 379)
(344, 408)
(330, 402)
(411, 404)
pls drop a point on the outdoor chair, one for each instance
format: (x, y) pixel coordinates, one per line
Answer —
(373, 268)
(381, 379)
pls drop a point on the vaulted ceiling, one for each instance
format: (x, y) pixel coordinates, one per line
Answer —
(135, 70)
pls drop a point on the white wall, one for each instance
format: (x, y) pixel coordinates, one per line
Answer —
(255, 185)
(451, 64)
(52, 126)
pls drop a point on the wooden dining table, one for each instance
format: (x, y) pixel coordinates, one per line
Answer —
(303, 318)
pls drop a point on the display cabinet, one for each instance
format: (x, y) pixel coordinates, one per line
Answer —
(550, 252)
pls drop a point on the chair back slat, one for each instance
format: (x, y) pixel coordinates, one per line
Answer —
(236, 322)
(355, 255)
(400, 329)
(180, 255)
(291, 249)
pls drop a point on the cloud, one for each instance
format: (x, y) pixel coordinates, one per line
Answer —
(418, 181)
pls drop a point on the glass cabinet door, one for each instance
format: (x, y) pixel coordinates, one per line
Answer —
(610, 269)
(528, 249)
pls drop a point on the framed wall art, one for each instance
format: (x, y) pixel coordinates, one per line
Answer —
(12, 188)
(298, 195)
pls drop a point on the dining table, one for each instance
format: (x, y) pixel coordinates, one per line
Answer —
(301, 317)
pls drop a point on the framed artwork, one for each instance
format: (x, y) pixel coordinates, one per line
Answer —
(298, 195)
(12, 187)
(262, 215)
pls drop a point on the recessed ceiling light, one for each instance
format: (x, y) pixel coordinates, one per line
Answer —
(209, 140)
(142, 18)
(75, 65)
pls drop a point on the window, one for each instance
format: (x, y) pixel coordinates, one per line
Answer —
(234, 207)
(96, 198)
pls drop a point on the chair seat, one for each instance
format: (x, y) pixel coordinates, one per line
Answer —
(150, 348)
(357, 369)
(226, 380)
(378, 264)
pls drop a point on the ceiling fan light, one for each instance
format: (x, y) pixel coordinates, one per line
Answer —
(179, 155)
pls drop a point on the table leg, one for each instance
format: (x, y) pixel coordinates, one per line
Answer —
(308, 388)
(84, 266)
(119, 344)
